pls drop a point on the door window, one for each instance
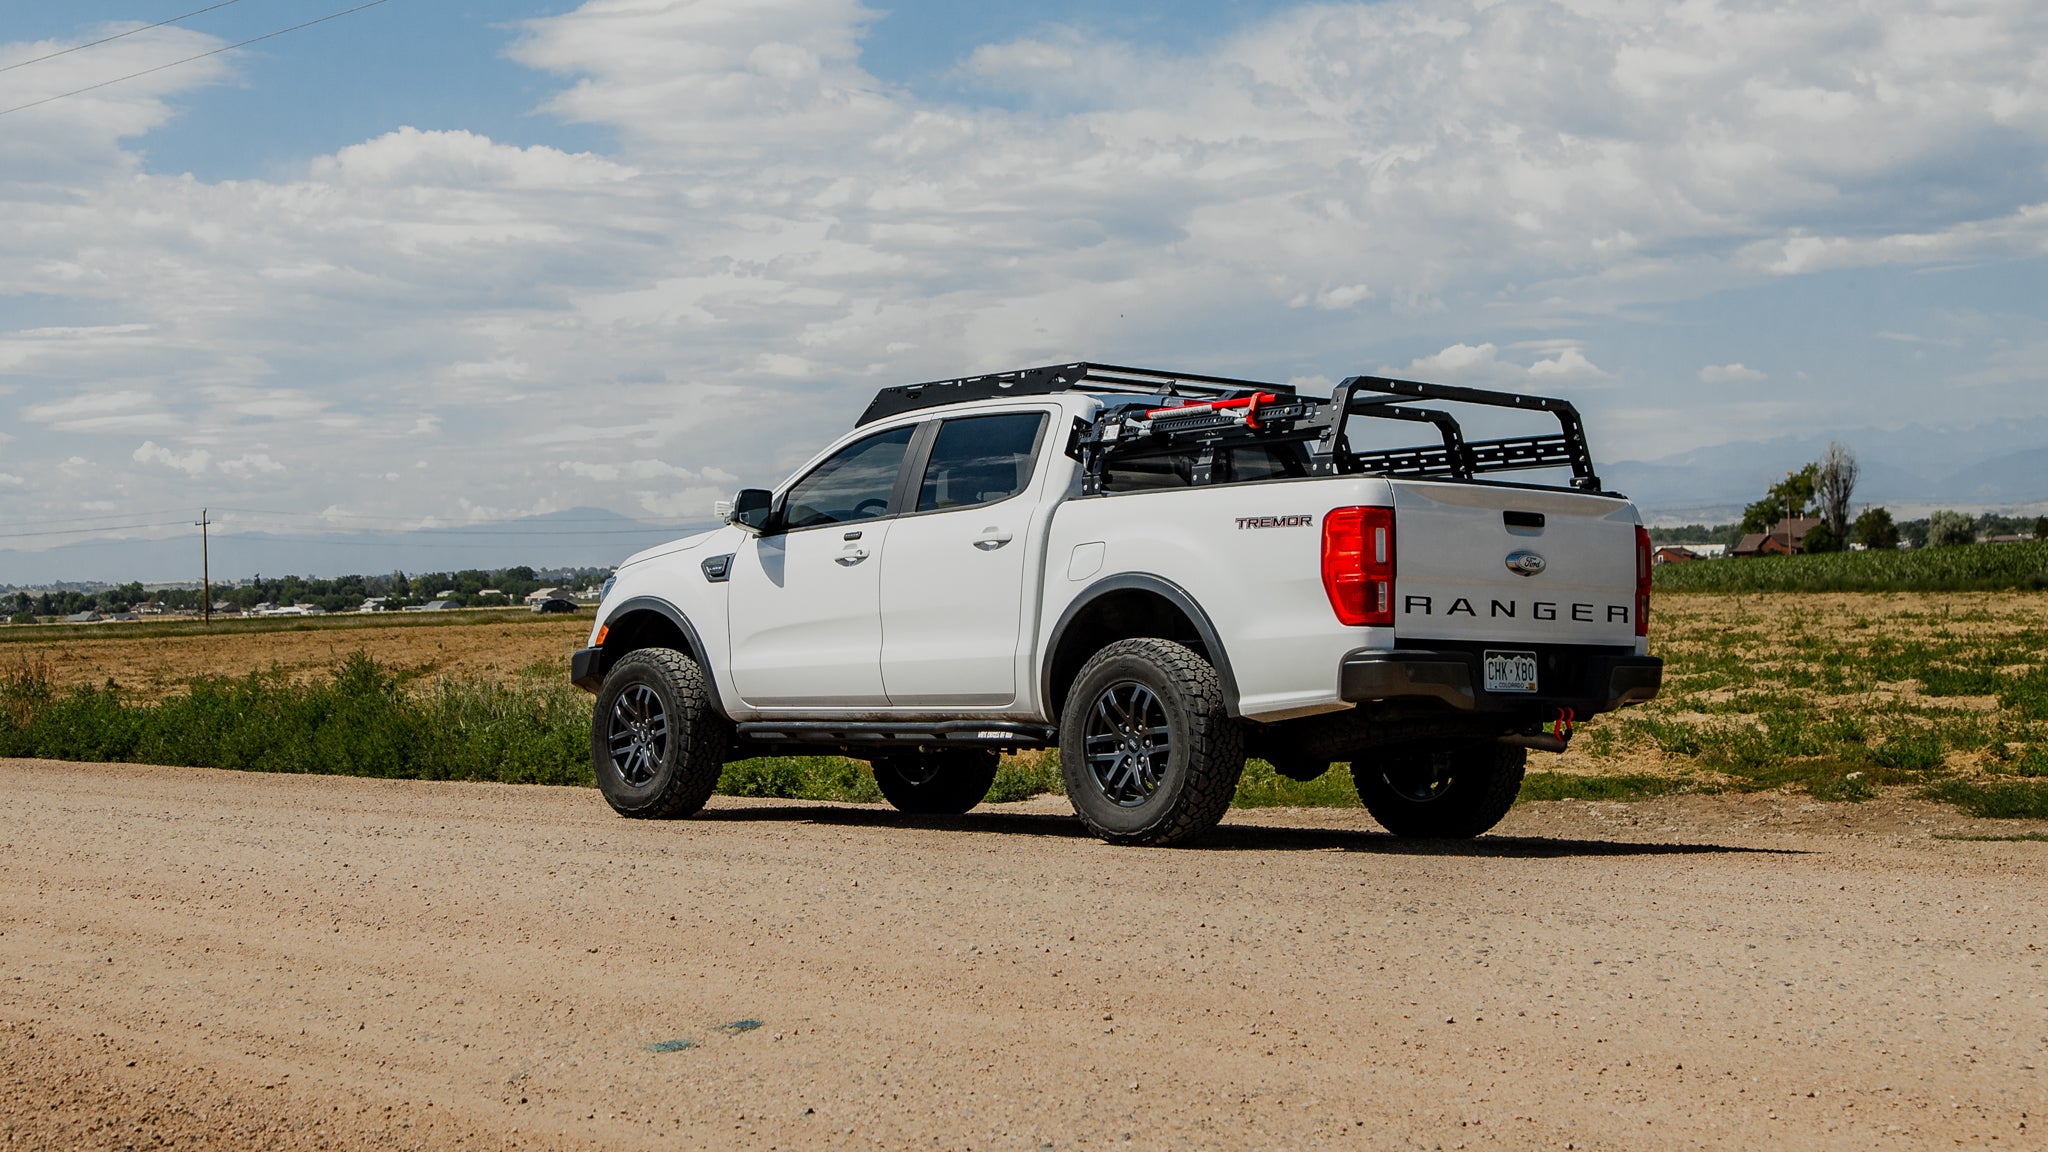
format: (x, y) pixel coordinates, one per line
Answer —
(853, 483)
(980, 460)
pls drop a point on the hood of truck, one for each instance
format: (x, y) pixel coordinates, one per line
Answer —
(1471, 564)
(682, 545)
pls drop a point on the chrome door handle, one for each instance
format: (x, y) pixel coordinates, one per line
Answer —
(991, 540)
(851, 556)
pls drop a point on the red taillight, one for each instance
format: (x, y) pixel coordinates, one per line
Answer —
(1358, 564)
(1642, 581)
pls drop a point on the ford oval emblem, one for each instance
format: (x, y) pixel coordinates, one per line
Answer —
(1524, 563)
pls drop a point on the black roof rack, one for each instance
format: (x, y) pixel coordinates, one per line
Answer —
(1081, 377)
(1195, 432)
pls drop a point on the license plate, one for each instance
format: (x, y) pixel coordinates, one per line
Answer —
(1510, 671)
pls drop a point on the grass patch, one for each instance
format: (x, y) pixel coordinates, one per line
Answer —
(1572, 786)
(1970, 568)
(2035, 837)
(1999, 800)
(1262, 787)
(1025, 775)
(798, 778)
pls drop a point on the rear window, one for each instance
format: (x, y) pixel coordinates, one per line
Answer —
(1237, 464)
(979, 460)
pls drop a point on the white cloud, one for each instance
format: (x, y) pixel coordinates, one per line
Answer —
(1730, 374)
(779, 232)
(10, 480)
(249, 464)
(191, 463)
(1482, 365)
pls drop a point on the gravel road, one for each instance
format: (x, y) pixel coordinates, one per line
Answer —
(208, 959)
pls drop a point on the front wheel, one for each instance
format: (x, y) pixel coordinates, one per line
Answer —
(943, 783)
(656, 742)
(1446, 793)
(1147, 750)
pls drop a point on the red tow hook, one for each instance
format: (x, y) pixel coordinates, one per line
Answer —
(1563, 727)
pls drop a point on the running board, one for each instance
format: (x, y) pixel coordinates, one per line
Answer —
(972, 733)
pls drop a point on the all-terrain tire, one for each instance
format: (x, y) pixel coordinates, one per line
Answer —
(1148, 751)
(1452, 793)
(946, 782)
(657, 742)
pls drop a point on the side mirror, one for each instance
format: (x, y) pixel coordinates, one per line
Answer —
(753, 508)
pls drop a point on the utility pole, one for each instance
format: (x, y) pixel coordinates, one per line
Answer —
(205, 574)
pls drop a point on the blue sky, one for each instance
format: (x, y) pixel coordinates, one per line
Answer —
(442, 64)
(443, 261)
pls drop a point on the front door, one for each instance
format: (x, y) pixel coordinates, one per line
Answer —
(805, 611)
(953, 573)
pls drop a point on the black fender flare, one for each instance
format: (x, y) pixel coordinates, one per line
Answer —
(675, 616)
(1165, 589)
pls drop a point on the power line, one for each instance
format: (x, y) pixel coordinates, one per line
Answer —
(188, 59)
(79, 531)
(38, 521)
(117, 36)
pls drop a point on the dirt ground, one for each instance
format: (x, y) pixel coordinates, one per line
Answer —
(152, 663)
(203, 959)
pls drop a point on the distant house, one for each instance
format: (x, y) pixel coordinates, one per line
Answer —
(533, 598)
(2010, 538)
(1786, 538)
(435, 606)
(86, 617)
(1673, 554)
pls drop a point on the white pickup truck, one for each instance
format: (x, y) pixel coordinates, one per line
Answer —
(1159, 574)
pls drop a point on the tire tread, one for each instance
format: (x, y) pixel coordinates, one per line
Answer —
(1215, 744)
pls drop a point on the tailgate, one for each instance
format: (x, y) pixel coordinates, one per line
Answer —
(1499, 564)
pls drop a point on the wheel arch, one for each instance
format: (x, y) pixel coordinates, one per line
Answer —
(651, 622)
(1125, 607)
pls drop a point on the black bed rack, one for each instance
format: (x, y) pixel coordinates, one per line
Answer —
(1079, 377)
(1222, 411)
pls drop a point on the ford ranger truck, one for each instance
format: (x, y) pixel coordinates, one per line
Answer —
(1159, 574)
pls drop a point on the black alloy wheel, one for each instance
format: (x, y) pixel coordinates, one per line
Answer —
(1148, 752)
(657, 742)
(1129, 743)
(638, 734)
(1449, 792)
(936, 782)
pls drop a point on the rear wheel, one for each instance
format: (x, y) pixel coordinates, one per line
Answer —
(1148, 752)
(656, 741)
(941, 783)
(1444, 792)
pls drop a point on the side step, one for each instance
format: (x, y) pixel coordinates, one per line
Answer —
(899, 734)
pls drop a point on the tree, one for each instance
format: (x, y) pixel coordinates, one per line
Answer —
(1946, 529)
(1820, 538)
(1834, 483)
(1788, 497)
(1874, 529)
(2041, 527)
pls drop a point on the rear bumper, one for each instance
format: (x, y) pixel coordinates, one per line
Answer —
(585, 669)
(1587, 683)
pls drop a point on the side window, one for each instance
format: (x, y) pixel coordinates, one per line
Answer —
(979, 460)
(853, 483)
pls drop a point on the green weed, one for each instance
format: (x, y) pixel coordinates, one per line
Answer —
(1261, 787)
(2000, 800)
(1570, 786)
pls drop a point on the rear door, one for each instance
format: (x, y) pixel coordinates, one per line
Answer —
(954, 570)
(1496, 564)
(805, 610)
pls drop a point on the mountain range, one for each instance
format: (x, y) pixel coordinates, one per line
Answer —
(2000, 466)
(575, 537)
